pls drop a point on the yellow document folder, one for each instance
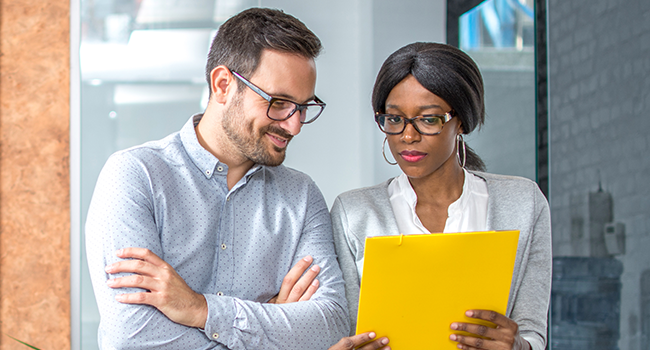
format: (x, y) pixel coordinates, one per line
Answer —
(413, 287)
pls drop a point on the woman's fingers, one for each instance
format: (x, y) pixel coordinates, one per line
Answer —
(492, 316)
(481, 336)
(477, 329)
(468, 342)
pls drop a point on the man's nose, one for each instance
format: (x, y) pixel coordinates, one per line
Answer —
(293, 124)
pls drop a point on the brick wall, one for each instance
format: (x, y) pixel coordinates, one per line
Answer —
(599, 79)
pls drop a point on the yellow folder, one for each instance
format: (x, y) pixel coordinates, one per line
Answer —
(414, 286)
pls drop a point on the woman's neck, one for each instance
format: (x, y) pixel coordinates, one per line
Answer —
(441, 187)
(435, 193)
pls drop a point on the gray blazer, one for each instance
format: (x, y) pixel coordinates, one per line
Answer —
(514, 203)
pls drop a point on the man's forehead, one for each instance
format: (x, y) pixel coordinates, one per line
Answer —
(286, 75)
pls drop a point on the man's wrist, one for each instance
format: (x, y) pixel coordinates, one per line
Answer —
(201, 313)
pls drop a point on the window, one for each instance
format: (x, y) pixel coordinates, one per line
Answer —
(499, 36)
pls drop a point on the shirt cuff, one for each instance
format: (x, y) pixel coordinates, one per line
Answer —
(221, 317)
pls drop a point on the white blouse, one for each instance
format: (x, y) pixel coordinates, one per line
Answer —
(467, 214)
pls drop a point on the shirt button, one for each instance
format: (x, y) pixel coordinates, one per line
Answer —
(223, 246)
(219, 294)
(220, 168)
(215, 335)
(207, 172)
(228, 198)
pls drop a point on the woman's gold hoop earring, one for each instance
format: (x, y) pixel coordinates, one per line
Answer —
(383, 151)
(461, 142)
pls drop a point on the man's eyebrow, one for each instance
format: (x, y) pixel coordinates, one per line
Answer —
(291, 98)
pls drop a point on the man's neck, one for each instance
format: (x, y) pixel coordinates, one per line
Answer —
(211, 136)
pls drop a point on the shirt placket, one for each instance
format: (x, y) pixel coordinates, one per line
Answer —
(225, 255)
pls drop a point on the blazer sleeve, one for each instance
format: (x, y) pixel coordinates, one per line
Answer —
(530, 309)
(347, 259)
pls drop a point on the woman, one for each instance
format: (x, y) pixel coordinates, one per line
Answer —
(425, 98)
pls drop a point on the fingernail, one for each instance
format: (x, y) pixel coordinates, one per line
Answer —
(315, 268)
(372, 335)
(314, 283)
(469, 313)
(119, 297)
(119, 252)
(384, 341)
(307, 258)
(108, 268)
(453, 337)
(110, 282)
(454, 326)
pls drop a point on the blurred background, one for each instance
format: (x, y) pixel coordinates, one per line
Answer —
(567, 90)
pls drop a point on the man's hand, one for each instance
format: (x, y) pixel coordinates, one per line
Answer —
(295, 285)
(350, 343)
(505, 336)
(166, 290)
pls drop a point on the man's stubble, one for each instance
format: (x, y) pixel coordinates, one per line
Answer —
(248, 141)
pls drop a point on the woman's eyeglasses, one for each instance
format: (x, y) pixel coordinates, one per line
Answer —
(429, 124)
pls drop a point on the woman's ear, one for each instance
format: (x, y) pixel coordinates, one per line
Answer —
(221, 83)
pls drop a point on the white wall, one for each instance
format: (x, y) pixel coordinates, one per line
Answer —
(341, 150)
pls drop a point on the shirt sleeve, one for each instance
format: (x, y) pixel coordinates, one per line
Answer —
(121, 214)
(315, 324)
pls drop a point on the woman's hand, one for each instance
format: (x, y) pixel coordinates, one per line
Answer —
(295, 285)
(351, 343)
(504, 337)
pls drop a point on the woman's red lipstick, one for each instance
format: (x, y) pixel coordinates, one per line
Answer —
(412, 156)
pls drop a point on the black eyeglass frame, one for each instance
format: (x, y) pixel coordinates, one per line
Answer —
(443, 117)
(270, 99)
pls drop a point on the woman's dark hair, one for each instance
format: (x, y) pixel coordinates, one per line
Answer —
(448, 73)
(240, 41)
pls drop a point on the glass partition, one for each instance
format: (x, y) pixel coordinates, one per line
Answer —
(499, 36)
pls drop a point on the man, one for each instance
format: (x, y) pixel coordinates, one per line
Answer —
(218, 220)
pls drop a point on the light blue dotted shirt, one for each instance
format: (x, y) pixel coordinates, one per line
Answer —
(233, 246)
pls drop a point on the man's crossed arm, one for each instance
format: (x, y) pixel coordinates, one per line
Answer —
(168, 292)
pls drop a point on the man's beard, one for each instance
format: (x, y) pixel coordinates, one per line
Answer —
(251, 142)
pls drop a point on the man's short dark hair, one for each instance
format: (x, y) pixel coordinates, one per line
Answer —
(240, 41)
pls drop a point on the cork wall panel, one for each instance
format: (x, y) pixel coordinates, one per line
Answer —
(34, 173)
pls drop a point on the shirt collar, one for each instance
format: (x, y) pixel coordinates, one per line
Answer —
(405, 188)
(201, 157)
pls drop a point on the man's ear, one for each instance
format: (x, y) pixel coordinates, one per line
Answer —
(222, 82)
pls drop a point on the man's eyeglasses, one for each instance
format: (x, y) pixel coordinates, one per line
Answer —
(281, 109)
(429, 124)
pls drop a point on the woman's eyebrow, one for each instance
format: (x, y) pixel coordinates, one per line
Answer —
(433, 106)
